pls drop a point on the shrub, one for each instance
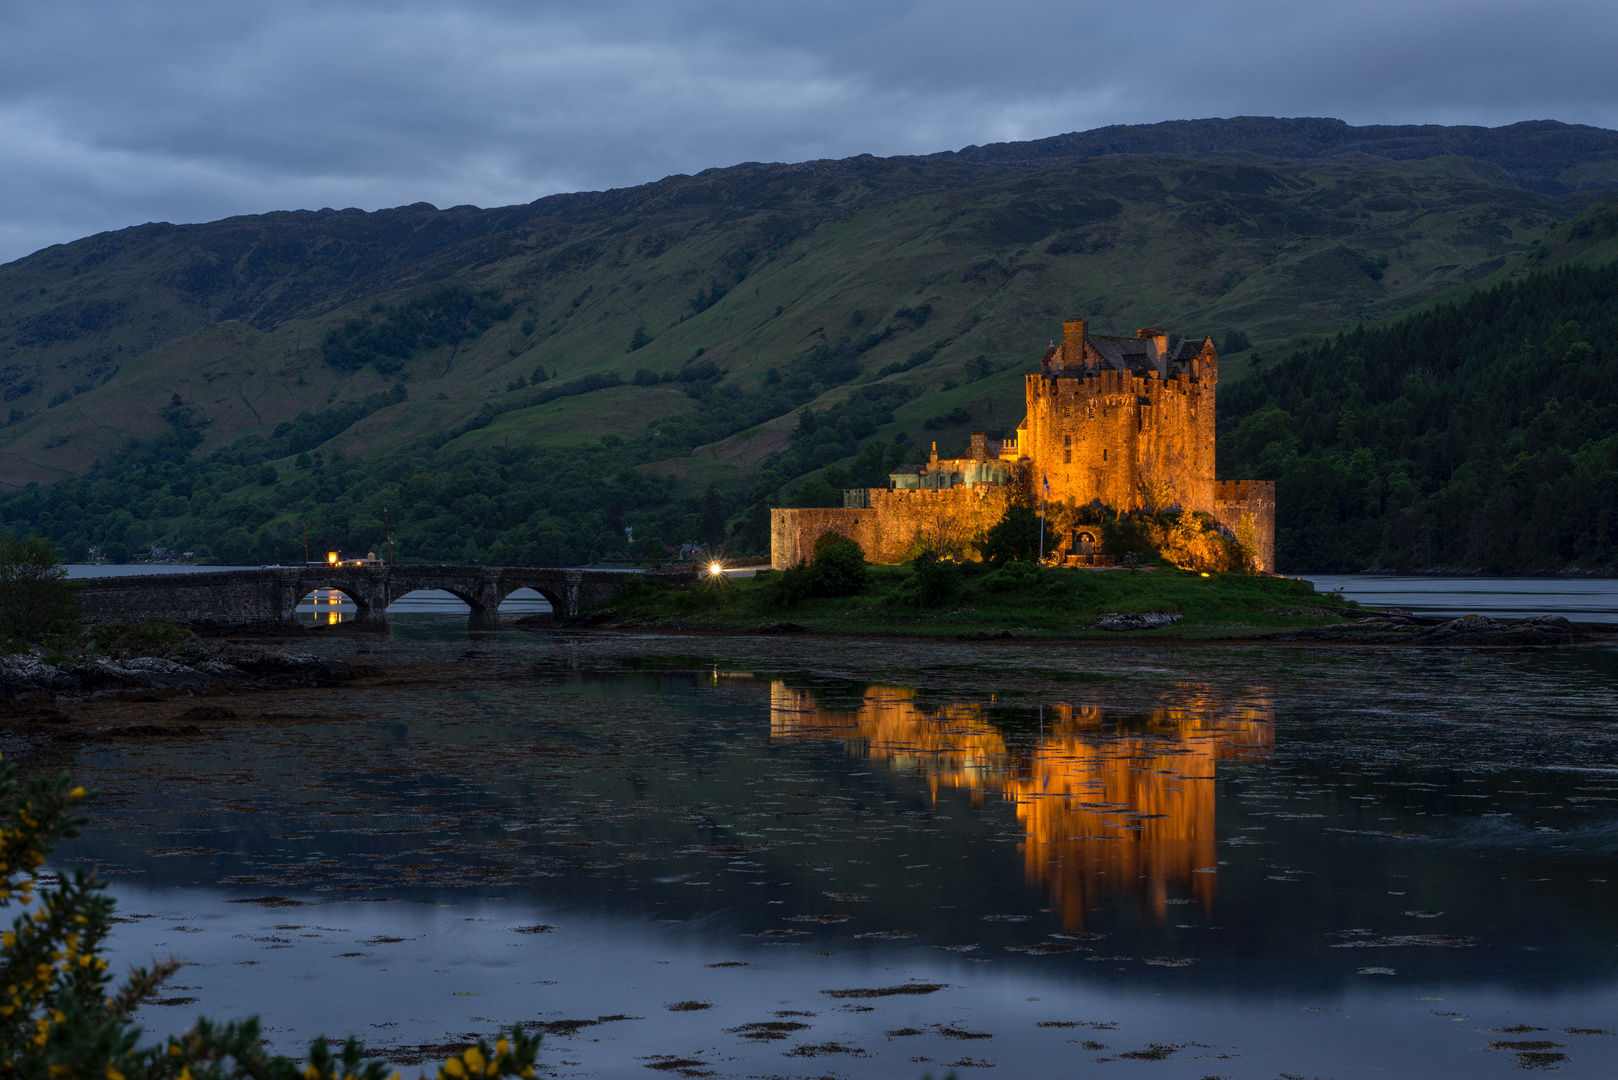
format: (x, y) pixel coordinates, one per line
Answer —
(37, 601)
(839, 569)
(933, 580)
(1012, 576)
(1018, 536)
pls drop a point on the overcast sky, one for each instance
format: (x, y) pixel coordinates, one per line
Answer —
(118, 112)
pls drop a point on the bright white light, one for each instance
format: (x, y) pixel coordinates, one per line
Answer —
(715, 569)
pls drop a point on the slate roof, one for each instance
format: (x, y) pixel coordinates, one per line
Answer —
(1121, 353)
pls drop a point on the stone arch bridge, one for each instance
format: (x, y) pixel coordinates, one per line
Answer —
(271, 594)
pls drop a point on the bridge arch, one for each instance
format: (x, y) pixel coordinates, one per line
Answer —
(309, 604)
(550, 595)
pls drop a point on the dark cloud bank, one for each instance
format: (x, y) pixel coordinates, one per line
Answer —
(115, 113)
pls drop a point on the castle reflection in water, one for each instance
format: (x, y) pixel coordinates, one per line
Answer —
(1110, 807)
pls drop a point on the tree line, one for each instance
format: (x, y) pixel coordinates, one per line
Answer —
(1475, 435)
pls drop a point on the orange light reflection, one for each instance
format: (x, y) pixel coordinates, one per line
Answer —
(1103, 814)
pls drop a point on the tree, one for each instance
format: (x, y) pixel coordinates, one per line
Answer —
(652, 551)
(233, 548)
(1017, 537)
(62, 1015)
(37, 601)
(713, 518)
(640, 340)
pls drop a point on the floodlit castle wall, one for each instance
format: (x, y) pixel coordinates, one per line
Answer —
(1118, 437)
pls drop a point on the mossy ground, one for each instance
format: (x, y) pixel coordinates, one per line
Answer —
(1048, 602)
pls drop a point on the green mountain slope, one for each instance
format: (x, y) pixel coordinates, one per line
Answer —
(671, 336)
(1476, 434)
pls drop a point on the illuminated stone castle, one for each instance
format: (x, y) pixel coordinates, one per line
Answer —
(1124, 421)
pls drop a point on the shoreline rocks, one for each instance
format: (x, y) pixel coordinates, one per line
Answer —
(194, 664)
(1389, 628)
(1139, 620)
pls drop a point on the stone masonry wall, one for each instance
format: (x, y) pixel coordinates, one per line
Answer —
(1235, 498)
(1104, 435)
(893, 526)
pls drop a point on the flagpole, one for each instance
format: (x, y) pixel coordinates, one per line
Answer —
(1045, 485)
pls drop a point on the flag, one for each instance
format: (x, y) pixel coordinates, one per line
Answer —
(1047, 481)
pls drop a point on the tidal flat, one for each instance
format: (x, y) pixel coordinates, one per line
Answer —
(793, 857)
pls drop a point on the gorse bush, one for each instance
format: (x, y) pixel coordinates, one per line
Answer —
(62, 1016)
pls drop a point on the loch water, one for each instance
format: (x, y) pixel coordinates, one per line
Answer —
(791, 857)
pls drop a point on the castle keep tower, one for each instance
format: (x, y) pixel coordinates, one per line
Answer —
(1124, 421)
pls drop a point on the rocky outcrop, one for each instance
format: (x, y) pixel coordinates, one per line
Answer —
(193, 664)
(1401, 629)
(1138, 620)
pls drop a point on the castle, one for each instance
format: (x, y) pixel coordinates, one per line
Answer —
(1124, 421)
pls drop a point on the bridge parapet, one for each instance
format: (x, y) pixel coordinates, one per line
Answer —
(271, 594)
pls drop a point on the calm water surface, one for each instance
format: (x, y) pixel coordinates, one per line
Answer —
(761, 857)
(1593, 600)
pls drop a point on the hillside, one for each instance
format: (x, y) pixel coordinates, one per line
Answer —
(1474, 434)
(669, 336)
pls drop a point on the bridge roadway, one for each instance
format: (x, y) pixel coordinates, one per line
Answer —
(271, 594)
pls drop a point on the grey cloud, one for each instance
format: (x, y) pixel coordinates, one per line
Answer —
(113, 113)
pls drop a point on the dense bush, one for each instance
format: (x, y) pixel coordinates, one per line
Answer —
(839, 569)
(445, 316)
(932, 579)
(1021, 534)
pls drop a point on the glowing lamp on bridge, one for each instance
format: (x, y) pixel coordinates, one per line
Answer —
(715, 569)
(331, 558)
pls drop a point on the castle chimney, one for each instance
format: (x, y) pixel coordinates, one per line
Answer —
(1073, 343)
(935, 452)
(1159, 342)
(980, 446)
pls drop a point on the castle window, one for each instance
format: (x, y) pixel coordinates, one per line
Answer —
(1103, 455)
(1067, 449)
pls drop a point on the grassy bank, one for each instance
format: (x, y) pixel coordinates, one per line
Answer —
(1021, 600)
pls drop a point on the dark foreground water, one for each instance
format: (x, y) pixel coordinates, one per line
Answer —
(802, 858)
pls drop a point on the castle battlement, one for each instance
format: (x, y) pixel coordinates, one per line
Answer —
(1124, 421)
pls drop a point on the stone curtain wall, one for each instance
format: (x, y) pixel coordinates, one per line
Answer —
(893, 526)
(1111, 434)
(271, 595)
(1234, 499)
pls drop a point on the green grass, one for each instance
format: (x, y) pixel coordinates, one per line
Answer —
(1053, 603)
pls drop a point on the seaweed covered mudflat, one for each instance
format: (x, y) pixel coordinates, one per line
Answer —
(786, 855)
